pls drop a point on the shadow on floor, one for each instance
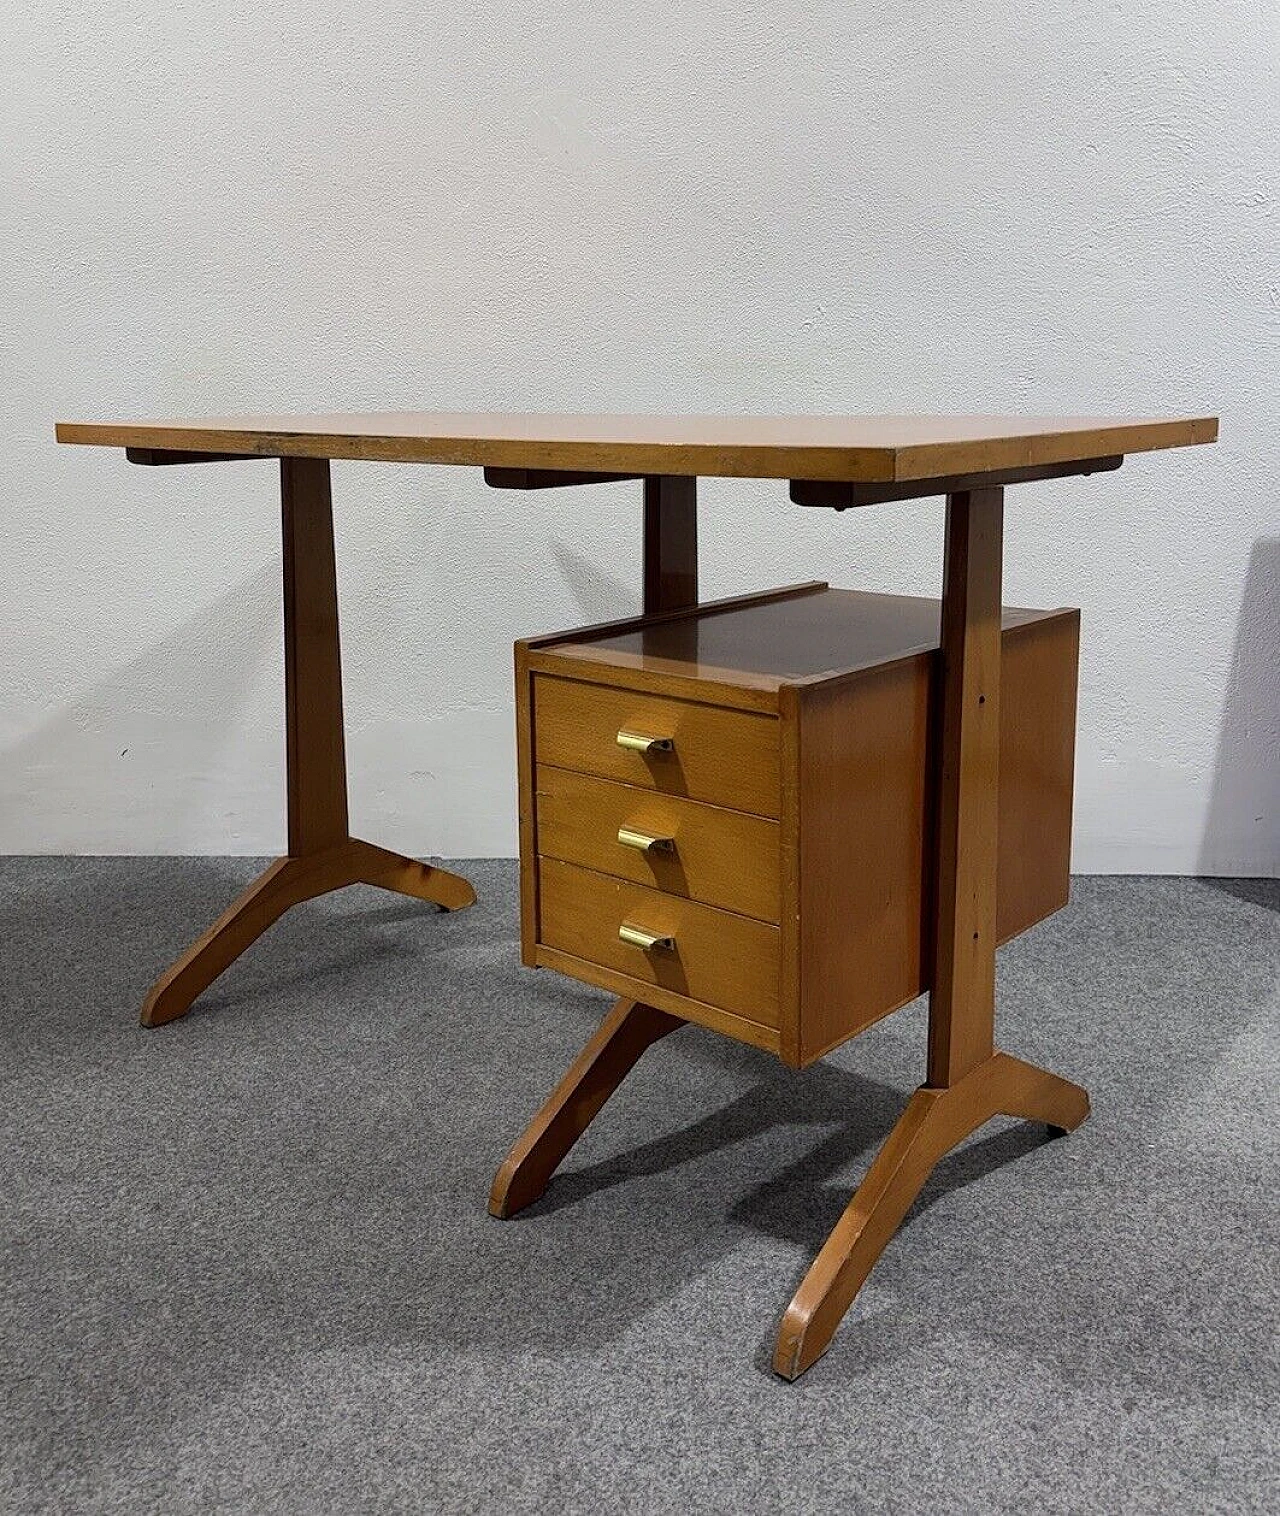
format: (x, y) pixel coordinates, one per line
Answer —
(1260, 892)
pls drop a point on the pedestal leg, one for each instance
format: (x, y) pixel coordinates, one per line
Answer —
(322, 855)
(597, 1071)
(968, 1081)
(933, 1123)
(670, 582)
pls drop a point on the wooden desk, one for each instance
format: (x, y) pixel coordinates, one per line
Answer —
(830, 461)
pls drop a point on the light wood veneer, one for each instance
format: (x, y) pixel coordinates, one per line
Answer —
(843, 448)
(840, 755)
(724, 857)
(986, 818)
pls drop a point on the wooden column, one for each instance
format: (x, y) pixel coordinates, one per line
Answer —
(968, 1081)
(315, 743)
(962, 1004)
(322, 854)
(670, 583)
(670, 542)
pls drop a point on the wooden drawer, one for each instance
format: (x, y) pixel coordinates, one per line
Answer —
(721, 857)
(729, 758)
(718, 958)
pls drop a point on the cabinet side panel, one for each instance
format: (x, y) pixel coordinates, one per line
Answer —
(863, 760)
(866, 775)
(1037, 770)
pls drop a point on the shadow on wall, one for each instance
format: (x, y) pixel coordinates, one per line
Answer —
(598, 596)
(169, 710)
(85, 777)
(1242, 825)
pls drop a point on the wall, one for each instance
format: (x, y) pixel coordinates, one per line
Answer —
(216, 208)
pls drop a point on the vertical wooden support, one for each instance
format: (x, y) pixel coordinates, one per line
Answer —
(322, 855)
(968, 1081)
(962, 1004)
(670, 583)
(315, 744)
(670, 542)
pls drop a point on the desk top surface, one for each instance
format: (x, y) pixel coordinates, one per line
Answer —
(851, 448)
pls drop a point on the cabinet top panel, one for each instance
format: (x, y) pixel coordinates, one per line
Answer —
(770, 641)
(889, 449)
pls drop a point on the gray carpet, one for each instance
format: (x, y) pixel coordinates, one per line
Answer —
(248, 1265)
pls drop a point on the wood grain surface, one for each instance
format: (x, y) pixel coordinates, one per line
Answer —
(721, 857)
(853, 448)
(725, 757)
(718, 958)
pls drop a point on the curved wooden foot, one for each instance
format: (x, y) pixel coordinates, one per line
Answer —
(288, 882)
(597, 1071)
(933, 1123)
(406, 876)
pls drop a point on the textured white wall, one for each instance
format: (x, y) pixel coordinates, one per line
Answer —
(822, 206)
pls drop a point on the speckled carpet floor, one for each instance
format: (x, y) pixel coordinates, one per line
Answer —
(248, 1266)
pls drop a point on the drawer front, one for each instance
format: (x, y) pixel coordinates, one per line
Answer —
(723, 858)
(715, 957)
(729, 758)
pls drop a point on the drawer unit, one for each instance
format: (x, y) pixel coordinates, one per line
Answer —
(723, 811)
(702, 852)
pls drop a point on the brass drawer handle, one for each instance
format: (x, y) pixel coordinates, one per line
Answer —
(645, 842)
(638, 937)
(637, 742)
